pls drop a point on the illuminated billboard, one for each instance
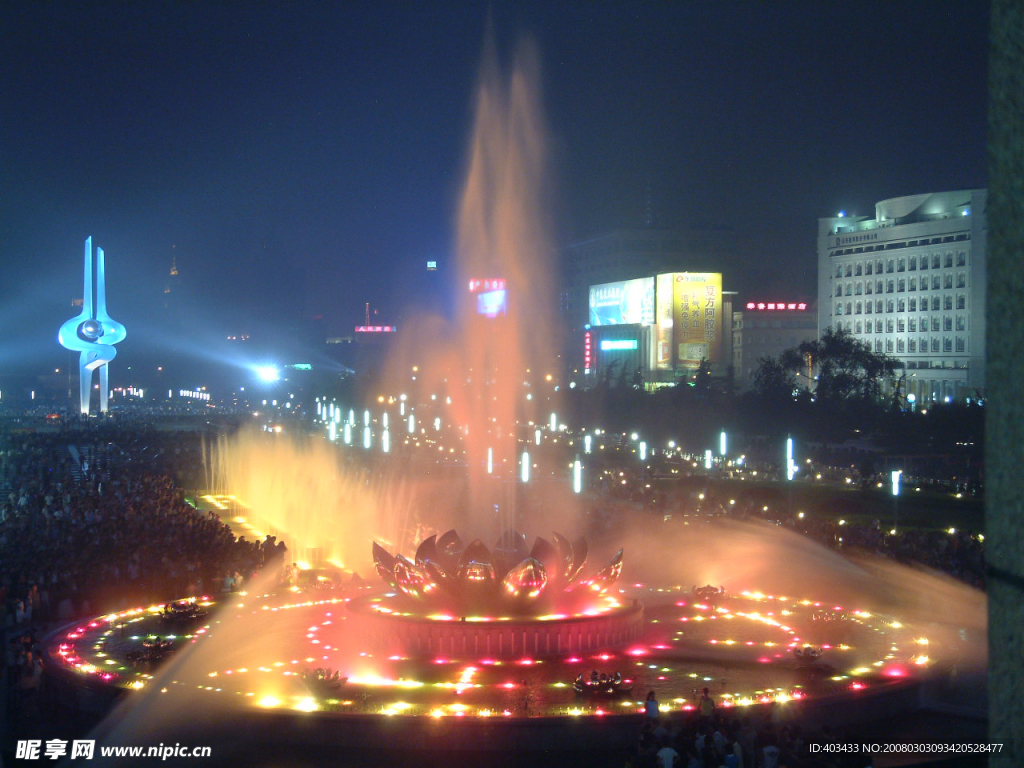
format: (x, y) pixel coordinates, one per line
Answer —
(491, 296)
(663, 357)
(624, 302)
(697, 316)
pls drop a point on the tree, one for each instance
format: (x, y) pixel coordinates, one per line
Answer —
(845, 368)
(773, 379)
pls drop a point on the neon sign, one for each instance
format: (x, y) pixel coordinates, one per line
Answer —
(376, 328)
(612, 345)
(588, 351)
(777, 305)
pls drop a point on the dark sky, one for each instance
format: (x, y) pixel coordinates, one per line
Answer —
(302, 158)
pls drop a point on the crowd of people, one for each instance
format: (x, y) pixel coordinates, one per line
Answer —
(94, 521)
(707, 738)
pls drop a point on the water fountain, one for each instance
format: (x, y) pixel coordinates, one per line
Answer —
(463, 632)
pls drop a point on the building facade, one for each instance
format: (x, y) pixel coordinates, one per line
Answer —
(766, 329)
(910, 282)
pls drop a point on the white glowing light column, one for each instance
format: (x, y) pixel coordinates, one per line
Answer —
(347, 433)
(895, 476)
(577, 476)
(554, 422)
(524, 467)
(643, 451)
(536, 436)
(707, 459)
(412, 424)
(490, 461)
(722, 443)
(587, 439)
(790, 464)
(385, 441)
(332, 431)
(367, 441)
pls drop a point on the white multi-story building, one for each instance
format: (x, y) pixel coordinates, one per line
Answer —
(911, 283)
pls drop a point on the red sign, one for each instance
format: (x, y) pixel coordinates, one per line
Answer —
(777, 305)
(588, 351)
(487, 284)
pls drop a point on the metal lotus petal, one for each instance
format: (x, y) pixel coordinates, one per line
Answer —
(413, 579)
(427, 550)
(565, 557)
(603, 579)
(579, 558)
(449, 549)
(384, 562)
(510, 550)
(546, 552)
(526, 580)
(475, 566)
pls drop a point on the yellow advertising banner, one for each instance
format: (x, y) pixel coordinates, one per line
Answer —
(697, 317)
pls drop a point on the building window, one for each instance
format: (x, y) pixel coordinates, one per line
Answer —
(878, 326)
(924, 262)
(858, 289)
(839, 307)
(961, 323)
(913, 284)
(901, 345)
(912, 345)
(901, 325)
(889, 266)
(878, 287)
(860, 327)
(868, 327)
(913, 324)
(924, 342)
(868, 287)
(888, 286)
(888, 345)
(949, 259)
(947, 302)
(961, 280)
(888, 305)
(913, 263)
(947, 323)
(935, 261)
(935, 323)
(857, 270)
(878, 306)
(888, 325)
(839, 270)
(935, 282)
(867, 268)
(901, 265)
(935, 345)
(947, 344)
(878, 267)
(849, 270)
(901, 285)
(961, 345)
(935, 303)
(849, 289)
(901, 305)
(867, 308)
(961, 259)
(860, 308)
(947, 282)
(849, 308)
(839, 290)
(961, 301)
(878, 345)
(913, 305)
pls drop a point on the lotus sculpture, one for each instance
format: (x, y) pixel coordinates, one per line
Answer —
(511, 576)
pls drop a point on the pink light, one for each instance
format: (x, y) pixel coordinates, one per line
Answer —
(526, 662)
(765, 660)
(637, 651)
(857, 686)
(682, 603)
(442, 661)
(488, 661)
(687, 707)
(894, 670)
(573, 660)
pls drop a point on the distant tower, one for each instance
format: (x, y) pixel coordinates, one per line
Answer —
(172, 282)
(93, 333)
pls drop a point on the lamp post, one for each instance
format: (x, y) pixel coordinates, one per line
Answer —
(895, 475)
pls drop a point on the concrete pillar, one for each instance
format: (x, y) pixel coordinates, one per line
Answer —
(1004, 440)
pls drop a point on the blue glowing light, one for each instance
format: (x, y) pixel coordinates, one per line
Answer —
(268, 373)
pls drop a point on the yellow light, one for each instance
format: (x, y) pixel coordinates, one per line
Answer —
(308, 704)
(269, 702)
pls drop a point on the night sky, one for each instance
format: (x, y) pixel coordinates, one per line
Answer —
(301, 159)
